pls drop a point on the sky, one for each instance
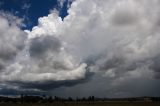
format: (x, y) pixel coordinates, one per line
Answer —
(31, 10)
(80, 48)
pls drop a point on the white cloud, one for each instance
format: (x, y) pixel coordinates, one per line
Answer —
(61, 3)
(117, 38)
(106, 31)
(112, 29)
(44, 56)
(11, 41)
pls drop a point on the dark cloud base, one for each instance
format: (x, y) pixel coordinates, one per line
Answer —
(51, 85)
(101, 46)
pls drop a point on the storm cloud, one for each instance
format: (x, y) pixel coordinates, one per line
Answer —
(117, 41)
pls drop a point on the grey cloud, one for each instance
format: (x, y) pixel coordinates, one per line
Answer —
(59, 65)
(155, 66)
(12, 41)
(124, 17)
(114, 39)
(51, 84)
(102, 87)
(9, 48)
(14, 92)
(112, 63)
(40, 45)
(56, 65)
(2, 66)
(48, 85)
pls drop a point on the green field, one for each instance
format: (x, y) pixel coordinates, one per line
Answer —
(84, 104)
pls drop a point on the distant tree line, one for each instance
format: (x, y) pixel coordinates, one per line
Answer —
(49, 99)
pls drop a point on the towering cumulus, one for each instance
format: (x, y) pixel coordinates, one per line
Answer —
(109, 43)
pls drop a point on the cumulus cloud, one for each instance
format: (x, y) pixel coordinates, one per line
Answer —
(12, 41)
(114, 39)
(42, 59)
(119, 34)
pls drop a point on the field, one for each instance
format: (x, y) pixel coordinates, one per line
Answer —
(84, 104)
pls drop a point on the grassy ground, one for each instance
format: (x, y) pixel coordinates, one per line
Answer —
(85, 104)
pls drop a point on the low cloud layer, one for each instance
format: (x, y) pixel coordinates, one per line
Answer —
(112, 41)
